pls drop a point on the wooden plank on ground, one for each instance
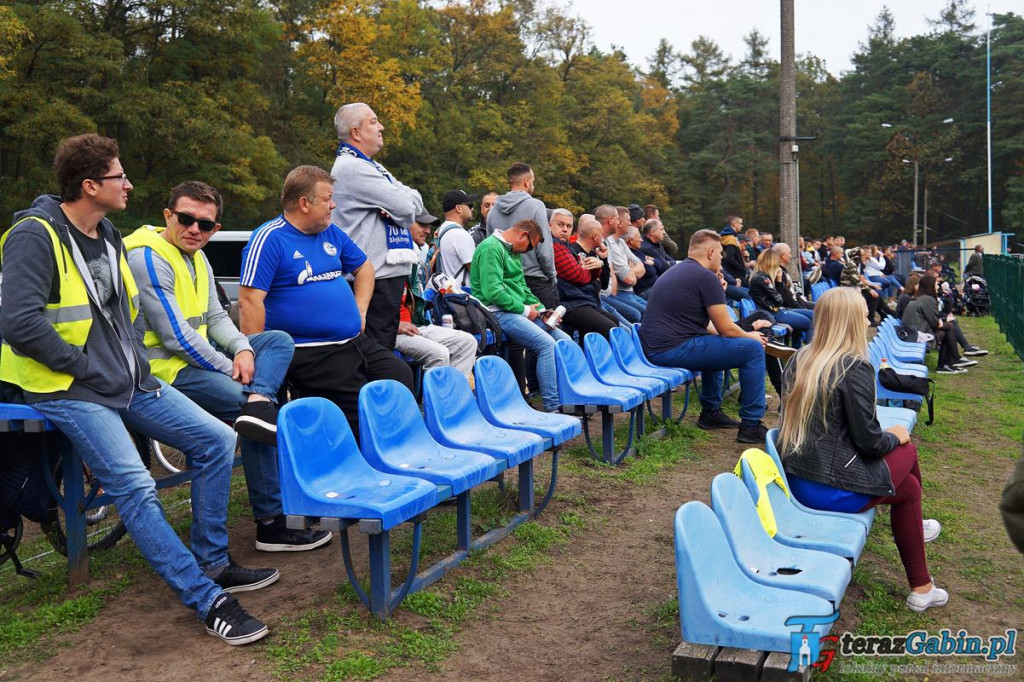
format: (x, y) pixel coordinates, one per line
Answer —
(693, 661)
(775, 670)
(738, 665)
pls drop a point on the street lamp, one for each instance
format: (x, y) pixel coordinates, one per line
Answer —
(945, 121)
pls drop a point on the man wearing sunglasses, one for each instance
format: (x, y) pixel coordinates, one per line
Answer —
(183, 321)
(70, 341)
(498, 281)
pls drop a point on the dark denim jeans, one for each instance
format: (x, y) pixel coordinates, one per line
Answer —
(711, 355)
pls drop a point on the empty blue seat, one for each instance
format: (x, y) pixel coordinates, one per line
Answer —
(719, 604)
(13, 417)
(901, 350)
(799, 528)
(891, 416)
(877, 350)
(865, 518)
(580, 391)
(324, 474)
(602, 364)
(395, 440)
(501, 403)
(453, 419)
(884, 394)
(627, 357)
(768, 562)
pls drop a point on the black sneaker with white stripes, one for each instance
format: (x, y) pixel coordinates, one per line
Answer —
(258, 420)
(229, 621)
(965, 362)
(235, 578)
(974, 350)
(946, 369)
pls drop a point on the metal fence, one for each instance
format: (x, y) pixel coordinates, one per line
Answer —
(1005, 277)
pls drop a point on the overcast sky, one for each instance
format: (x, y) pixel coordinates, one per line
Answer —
(827, 28)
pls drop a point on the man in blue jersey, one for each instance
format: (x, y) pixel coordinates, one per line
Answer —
(293, 279)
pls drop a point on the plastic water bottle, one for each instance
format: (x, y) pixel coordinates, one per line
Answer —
(448, 321)
(884, 364)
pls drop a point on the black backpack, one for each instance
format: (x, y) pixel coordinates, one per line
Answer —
(907, 383)
(471, 316)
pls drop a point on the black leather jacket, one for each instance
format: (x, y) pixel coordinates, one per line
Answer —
(764, 293)
(847, 451)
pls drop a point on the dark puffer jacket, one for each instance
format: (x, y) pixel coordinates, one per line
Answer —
(847, 452)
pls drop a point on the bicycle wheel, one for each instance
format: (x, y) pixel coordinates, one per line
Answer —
(10, 538)
(103, 524)
(170, 459)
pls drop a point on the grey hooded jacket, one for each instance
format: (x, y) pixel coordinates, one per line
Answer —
(517, 205)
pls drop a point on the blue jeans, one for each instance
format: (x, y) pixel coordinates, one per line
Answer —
(537, 337)
(614, 313)
(890, 285)
(99, 436)
(625, 310)
(710, 355)
(800, 319)
(222, 396)
(736, 293)
(632, 299)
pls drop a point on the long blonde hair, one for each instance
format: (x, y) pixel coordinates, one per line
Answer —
(768, 262)
(840, 336)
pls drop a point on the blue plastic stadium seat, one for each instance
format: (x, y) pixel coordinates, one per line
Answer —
(501, 403)
(878, 350)
(768, 562)
(577, 385)
(718, 604)
(865, 518)
(632, 362)
(13, 417)
(891, 416)
(453, 419)
(602, 364)
(884, 394)
(395, 440)
(798, 528)
(324, 474)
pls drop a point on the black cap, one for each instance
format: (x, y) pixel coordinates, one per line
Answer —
(456, 197)
(426, 219)
(635, 213)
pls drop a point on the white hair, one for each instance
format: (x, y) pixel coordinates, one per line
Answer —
(348, 116)
(560, 211)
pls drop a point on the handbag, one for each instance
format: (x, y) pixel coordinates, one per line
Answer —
(907, 383)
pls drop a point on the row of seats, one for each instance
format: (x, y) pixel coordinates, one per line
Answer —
(755, 560)
(407, 463)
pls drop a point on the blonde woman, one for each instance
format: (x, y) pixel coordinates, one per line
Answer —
(836, 455)
(769, 292)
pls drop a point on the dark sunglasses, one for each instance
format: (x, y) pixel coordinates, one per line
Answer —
(529, 244)
(187, 220)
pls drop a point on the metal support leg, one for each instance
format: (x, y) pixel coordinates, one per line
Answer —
(463, 521)
(74, 517)
(526, 486)
(380, 574)
(551, 485)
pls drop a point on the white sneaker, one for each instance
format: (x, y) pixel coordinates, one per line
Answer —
(932, 528)
(922, 601)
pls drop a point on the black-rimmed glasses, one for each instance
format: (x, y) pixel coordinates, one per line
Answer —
(123, 177)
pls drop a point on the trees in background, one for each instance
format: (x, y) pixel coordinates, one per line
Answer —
(235, 92)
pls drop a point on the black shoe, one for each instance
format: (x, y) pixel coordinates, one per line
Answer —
(716, 420)
(257, 420)
(974, 350)
(235, 578)
(229, 621)
(946, 369)
(758, 433)
(277, 537)
(778, 350)
(965, 362)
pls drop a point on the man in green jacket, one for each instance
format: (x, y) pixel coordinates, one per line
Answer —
(498, 281)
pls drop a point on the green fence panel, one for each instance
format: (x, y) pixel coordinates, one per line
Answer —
(1005, 276)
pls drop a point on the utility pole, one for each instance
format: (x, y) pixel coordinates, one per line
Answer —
(915, 202)
(789, 151)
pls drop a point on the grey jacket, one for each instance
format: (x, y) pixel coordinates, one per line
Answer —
(113, 364)
(517, 205)
(847, 452)
(922, 314)
(361, 192)
(167, 320)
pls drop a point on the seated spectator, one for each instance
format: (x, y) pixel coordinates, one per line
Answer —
(583, 271)
(835, 454)
(733, 291)
(832, 269)
(292, 273)
(890, 268)
(626, 267)
(608, 217)
(479, 231)
(767, 241)
(653, 245)
(766, 289)
(675, 334)
(874, 270)
(431, 344)
(923, 315)
(732, 256)
(853, 277)
(499, 283)
(669, 246)
(178, 299)
(90, 378)
(634, 241)
(909, 291)
(454, 246)
(750, 249)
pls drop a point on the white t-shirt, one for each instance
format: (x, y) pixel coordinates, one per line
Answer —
(874, 267)
(621, 260)
(456, 251)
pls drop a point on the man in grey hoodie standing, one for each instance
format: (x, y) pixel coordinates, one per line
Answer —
(72, 341)
(518, 204)
(375, 210)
